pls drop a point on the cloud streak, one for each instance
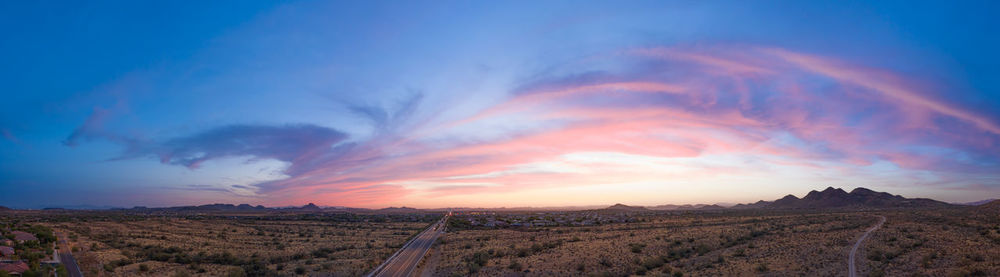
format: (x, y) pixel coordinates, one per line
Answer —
(284, 143)
(659, 113)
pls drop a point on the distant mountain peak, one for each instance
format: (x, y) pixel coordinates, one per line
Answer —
(623, 207)
(861, 190)
(403, 209)
(834, 190)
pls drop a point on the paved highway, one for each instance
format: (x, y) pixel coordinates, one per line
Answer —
(850, 262)
(66, 257)
(404, 261)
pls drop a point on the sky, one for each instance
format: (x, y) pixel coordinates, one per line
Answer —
(494, 104)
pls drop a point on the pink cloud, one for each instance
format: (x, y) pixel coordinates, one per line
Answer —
(886, 83)
(782, 108)
(684, 125)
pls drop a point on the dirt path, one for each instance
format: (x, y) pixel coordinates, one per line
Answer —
(851, 268)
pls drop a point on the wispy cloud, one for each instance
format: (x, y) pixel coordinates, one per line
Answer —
(287, 143)
(91, 128)
(784, 109)
(7, 134)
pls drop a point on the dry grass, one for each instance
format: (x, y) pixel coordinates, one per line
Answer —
(945, 242)
(712, 244)
(934, 243)
(219, 247)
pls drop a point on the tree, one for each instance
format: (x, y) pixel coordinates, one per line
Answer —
(61, 271)
(515, 266)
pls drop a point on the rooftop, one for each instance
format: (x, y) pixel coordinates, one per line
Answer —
(23, 236)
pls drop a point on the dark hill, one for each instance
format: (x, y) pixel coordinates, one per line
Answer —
(404, 210)
(759, 205)
(625, 208)
(712, 207)
(787, 200)
(991, 206)
(311, 207)
(977, 203)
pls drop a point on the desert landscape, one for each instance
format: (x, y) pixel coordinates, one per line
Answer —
(726, 243)
(808, 236)
(499, 138)
(120, 243)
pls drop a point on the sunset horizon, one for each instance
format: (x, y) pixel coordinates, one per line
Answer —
(567, 207)
(406, 138)
(372, 106)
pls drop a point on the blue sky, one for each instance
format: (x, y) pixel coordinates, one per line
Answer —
(467, 103)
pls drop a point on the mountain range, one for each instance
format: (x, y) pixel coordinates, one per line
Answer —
(830, 198)
(838, 198)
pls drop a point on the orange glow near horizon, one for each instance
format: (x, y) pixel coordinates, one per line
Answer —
(603, 142)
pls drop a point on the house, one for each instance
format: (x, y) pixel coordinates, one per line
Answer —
(6, 251)
(23, 237)
(14, 268)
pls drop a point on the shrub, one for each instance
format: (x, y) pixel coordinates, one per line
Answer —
(651, 263)
(637, 247)
(61, 271)
(875, 255)
(605, 261)
(473, 268)
(761, 267)
(515, 266)
(322, 252)
(479, 258)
